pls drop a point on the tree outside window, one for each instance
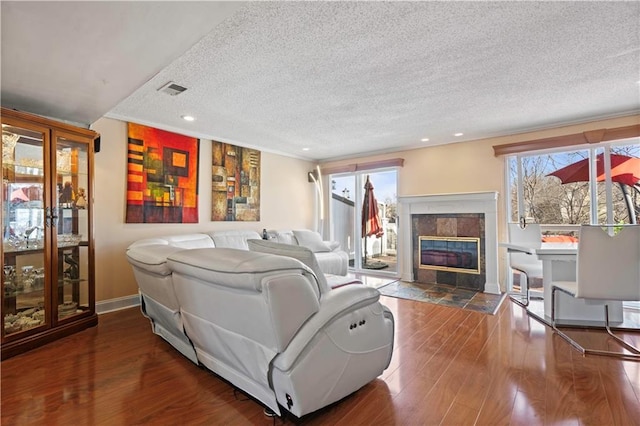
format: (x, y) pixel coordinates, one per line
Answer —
(546, 200)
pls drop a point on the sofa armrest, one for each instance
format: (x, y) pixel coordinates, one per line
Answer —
(337, 281)
(333, 305)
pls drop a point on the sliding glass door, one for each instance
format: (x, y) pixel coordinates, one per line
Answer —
(376, 253)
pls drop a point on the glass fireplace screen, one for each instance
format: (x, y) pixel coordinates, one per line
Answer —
(454, 254)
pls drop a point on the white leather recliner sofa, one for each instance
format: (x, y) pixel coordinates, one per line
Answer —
(267, 324)
(155, 282)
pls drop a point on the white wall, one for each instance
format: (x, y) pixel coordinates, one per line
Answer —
(287, 202)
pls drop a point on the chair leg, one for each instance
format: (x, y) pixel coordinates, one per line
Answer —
(636, 351)
(522, 301)
(556, 329)
(585, 351)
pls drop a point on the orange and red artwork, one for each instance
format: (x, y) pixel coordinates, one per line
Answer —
(162, 176)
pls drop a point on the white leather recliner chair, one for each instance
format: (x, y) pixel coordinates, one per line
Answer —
(267, 324)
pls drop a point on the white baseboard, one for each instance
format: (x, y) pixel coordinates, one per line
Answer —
(117, 304)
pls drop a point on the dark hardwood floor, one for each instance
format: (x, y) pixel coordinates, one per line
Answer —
(450, 366)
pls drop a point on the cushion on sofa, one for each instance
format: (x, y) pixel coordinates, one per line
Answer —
(333, 245)
(232, 239)
(311, 240)
(283, 237)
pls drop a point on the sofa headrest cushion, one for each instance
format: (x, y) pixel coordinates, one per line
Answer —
(152, 258)
(232, 239)
(311, 240)
(190, 241)
(239, 269)
(148, 242)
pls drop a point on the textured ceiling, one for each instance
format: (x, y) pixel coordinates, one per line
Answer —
(346, 78)
(76, 60)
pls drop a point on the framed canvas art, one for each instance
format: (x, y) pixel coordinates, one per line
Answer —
(235, 183)
(162, 176)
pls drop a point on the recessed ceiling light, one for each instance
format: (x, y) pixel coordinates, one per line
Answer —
(458, 134)
(424, 140)
(306, 149)
(188, 117)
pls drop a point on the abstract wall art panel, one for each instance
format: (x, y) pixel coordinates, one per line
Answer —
(162, 176)
(235, 183)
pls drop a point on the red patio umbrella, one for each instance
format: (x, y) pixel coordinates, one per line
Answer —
(624, 169)
(370, 216)
(19, 194)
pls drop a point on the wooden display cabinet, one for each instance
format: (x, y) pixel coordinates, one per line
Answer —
(47, 233)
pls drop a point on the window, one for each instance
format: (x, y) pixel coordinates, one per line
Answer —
(604, 189)
(539, 192)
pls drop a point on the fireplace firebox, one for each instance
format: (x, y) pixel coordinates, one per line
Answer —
(453, 254)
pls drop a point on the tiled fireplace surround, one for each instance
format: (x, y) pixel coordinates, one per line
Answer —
(451, 215)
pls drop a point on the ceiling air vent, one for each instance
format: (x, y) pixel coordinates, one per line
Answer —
(172, 89)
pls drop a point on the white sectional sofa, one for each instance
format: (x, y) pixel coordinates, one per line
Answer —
(266, 322)
(155, 283)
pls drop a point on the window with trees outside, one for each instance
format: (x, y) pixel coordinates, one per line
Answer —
(563, 188)
(580, 196)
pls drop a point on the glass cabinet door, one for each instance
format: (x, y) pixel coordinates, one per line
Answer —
(71, 226)
(47, 238)
(25, 295)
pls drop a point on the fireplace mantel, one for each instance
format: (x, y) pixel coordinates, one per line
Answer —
(471, 202)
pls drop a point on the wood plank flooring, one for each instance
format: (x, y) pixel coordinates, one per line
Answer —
(450, 367)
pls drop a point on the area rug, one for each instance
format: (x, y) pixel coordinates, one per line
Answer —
(445, 295)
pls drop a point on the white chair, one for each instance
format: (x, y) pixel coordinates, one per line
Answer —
(525, 262)
(608, 268)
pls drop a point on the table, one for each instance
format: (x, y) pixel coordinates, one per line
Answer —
(559, 264)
